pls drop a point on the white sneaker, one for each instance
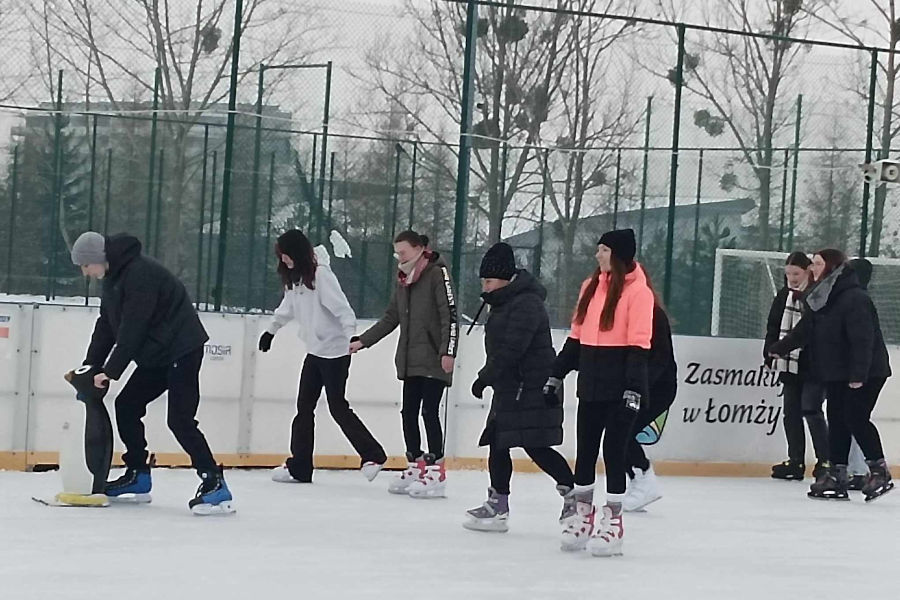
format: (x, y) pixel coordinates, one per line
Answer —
(414, 471)
(371, 469)
(608, 536)
(432, 484)
(282, 475)
(644, 489)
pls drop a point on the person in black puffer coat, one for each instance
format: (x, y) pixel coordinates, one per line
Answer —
(843, 336)
(146, 317)
(520, 357)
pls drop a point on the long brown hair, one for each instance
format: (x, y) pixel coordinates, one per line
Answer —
(298, 247)
(618, 270)
(833, 259)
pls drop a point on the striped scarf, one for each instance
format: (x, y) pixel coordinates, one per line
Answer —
(789, 319)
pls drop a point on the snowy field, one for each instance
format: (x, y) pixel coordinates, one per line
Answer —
(343, 537)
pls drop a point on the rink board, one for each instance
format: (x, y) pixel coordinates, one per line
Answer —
(726, 418)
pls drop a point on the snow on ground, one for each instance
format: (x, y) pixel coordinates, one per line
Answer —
(343, 537)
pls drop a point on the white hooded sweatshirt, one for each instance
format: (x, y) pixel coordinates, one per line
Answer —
(327, 321)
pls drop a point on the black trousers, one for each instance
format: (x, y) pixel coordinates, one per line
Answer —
(850, 413)
(549, 460)
(609, 423)
(330, 373)
(182, 380)
(803, 401)
(662, 396)
(98, 442)
(422, 393)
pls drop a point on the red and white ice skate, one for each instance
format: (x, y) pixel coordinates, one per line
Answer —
(609, 535)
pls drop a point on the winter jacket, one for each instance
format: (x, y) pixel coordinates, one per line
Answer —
(773, 334)
(426, 314)
(327, 322)
(145, 312)
(840, 331)
(611, 362)
(519, 360)
(661, 367)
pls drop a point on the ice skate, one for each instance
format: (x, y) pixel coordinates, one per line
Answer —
(568, 507)
(579, 528)
(490, 516)
(879, 481)
(855, 483)
(283, 475)
(433, 482)
(370, 469)
(832, 485)
(213, 496)
(133, 486)
(608, 536)
(789, 471)
(414, 471)
(642, 490)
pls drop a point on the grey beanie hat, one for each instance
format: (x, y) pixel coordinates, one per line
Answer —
(89, 249)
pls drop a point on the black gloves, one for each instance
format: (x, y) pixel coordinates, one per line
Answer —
(552, 390)
(82, 379)
(265, 341)
(478, 388)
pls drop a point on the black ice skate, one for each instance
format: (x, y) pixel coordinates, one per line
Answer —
(789, 471)
(879, 482)
(832, 485)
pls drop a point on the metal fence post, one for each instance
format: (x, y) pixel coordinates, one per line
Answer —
(330, 189)
(693, 305)
(412, 185)
(108, 198)
(268, 232)
(787, 154)
(153, 126)
(640, 244)
(254, 190)
(325, 117)
(202, 213)
(159, 194)
(12, 218)
(794, 175)
(57, 191)
(616, 191)
(870, 126)
(673, 172)
(212, 222)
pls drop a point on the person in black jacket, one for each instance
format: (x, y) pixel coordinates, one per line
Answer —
(843, 335)
(662, 376)
(520, 356)
(802, 394)
(147, 317)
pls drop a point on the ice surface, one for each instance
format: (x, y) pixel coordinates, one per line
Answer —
(345, 538)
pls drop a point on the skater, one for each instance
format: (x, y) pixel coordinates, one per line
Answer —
(519, 361)
(802, 394)
(314, 298)
(608, 345)
(423, 306)
(843, 334)
(146, 316)
(643, 485)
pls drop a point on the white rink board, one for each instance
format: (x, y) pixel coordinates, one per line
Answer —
(727, 409)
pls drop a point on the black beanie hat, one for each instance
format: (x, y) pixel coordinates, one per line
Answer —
(621, 242)
(498, 262)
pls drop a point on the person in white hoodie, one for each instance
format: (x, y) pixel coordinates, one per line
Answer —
(314, 298)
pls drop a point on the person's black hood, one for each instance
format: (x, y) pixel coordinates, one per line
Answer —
(837, 282)
(523, 283)
(121, 249)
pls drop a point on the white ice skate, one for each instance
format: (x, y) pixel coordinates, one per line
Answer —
(371, 469)
(282, 475)
(608, 536)
(490, 516)
(432, 484)
(579, 528)
(414, 471)
(643, 490)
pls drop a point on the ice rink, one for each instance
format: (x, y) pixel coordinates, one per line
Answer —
(343, 537)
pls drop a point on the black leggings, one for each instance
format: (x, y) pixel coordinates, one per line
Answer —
(422, 393)
(549, 460)
(662, 395)
(595, 418)
(803, 401)
(850, 413)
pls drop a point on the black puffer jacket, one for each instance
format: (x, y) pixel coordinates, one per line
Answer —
(773, 333)
(840, 331)
(145, 312)
(519, 360)
(661, 367)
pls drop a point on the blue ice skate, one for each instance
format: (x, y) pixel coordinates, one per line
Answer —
(133, 486)
(213, 496)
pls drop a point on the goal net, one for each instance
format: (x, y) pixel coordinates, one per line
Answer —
(745, 281)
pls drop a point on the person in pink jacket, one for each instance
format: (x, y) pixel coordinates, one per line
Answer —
(608, 346)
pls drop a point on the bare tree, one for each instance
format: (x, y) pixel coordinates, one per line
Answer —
(844, 19)
(520, 59)
(743, 79)
(114, 46)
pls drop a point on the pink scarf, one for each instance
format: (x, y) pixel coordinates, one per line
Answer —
(413, 276)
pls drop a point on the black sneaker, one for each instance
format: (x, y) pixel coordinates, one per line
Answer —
(789, 470)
